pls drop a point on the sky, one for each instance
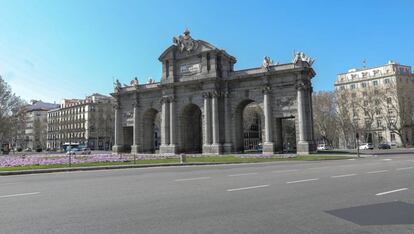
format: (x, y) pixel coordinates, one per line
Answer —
(50, 50)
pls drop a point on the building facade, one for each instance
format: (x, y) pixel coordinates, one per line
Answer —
(86, 122)
(378, 103)
(35, 132)
(201, 98)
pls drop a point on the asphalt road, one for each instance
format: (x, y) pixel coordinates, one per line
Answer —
(371, 195)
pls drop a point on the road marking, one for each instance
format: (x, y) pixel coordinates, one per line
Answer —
(374, 172)
(392, 191)
(246, 188)
(387, 159)
(244, 174)
(196, 178)
(284, 171)
(340, 176)
(315, 168)
(19, 194)
(299, 181)
(404, 168)
(10, 183)
(351, 159)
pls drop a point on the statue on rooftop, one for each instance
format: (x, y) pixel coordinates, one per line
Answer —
(267, 62)
(185, 42)
(300, 56)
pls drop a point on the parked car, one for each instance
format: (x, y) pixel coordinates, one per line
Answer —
(28, 149)
(78, 151)
(384, 146)
(366, 146)
(324, 147)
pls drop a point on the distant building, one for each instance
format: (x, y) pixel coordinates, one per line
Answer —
(86, 122)
(36, 124)
(379, 102)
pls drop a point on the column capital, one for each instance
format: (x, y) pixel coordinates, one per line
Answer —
(267, 90)
(216, 94)
(206, 94)
(303, 85)
(165, 99)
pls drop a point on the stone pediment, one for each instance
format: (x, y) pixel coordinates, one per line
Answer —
(185, 46)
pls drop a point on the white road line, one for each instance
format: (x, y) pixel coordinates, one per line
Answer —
(244, 174)
(387, 159)
(299, 181)
(351, 159)
(196, 178)
(246, 188)
(280, 171)
(392, 191)
(404, 168)
(374, 172)
(340, 176)
(10, 183)
(19, 194)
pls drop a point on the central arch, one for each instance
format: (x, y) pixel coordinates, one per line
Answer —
(191, 130)
(248, 119)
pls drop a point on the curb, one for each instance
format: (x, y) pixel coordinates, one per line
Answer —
(96, 168)
(68, 169)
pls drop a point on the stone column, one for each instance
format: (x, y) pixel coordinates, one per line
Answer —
(207, 123)
(172, 126)
(136, 148)
(165, 128)
(216, 147)
(227, 124)
(268, 146)
(118, 141)
(303, 144)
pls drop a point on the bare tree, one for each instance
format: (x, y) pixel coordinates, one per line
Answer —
(325, 117)
(397, 110)
(11, 114)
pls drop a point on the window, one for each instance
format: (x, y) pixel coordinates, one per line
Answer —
(392, 136)
(376, 92)
(365, 103)
(387, 81)
(377, 102)
(352, 86)
(353, 95)
(167, 68)
(375, 82)
(379, 123)
(342, 88)
(364, 85)
(388, 100)
(364, 94)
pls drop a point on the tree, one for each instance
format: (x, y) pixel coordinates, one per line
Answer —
(325, 118)
(11, 114)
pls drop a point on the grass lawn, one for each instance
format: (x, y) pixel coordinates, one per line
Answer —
(207, 159)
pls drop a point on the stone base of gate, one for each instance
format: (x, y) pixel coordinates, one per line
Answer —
(135, 149)
(117, 148)
(303, 148)
(268, 148)
(213, 149)
(168, 149)
(227, 148)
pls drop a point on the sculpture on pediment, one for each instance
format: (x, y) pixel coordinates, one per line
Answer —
(267, 62)
(135, 82)
(300, 56)
(118, 86)
(185, 42)
(150, 81)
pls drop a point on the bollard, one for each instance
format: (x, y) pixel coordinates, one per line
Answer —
(70, 160)
(135, 158)
(183, 158)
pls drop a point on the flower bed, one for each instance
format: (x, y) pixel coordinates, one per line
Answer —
(16, 161)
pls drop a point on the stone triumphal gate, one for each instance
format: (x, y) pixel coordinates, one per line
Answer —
(200, 101)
